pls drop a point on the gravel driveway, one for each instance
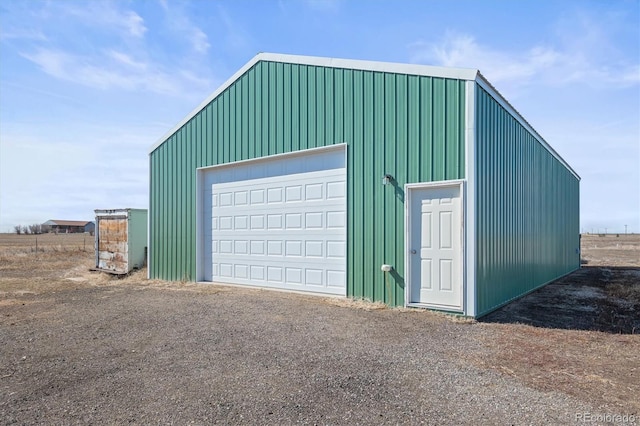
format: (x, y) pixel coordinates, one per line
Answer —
(210, 354)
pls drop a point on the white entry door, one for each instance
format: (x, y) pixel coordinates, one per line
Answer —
(435, 247)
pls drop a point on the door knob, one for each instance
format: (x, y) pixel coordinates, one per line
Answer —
(413, 251)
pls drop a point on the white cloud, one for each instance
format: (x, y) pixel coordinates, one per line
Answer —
(461, 50)
(127, 60)
(113, 69)
(51, 62)
(21, 34)
(199, 40)
(183, 26)
(98, 44)
(236, 36)
(103, 14)
(632, 75)
(80, 70)
(101, 44)
(134, 24)
(552, 65)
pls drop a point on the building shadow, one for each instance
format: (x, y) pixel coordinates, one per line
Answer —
(596, 298)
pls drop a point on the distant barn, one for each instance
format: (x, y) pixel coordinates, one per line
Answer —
(69, 226)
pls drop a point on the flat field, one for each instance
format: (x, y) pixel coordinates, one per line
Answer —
(85, 347)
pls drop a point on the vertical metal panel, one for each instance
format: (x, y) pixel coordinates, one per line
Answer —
(411, 127)
(365, 91)
(137, 240)
(527, 223)
(295, 108)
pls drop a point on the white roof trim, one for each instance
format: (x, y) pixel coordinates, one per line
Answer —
(355, 64)
(398, 68)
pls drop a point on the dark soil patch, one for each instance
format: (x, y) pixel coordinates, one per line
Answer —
(593, 298)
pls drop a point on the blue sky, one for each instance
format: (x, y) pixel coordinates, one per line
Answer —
(87, 87)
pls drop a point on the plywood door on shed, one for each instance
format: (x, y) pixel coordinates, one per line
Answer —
(285, 232)
(436, 255)
(112, 244)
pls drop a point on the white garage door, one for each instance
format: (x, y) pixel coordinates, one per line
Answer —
(284, 232)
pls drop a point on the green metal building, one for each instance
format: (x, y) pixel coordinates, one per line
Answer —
(407, 184)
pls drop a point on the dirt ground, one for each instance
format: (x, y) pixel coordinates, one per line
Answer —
(83, 347)
(604, 295)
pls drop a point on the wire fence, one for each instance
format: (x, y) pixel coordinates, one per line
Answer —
(41, 243)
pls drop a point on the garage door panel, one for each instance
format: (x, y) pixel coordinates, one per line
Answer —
(293, 193)
(335, 190)
(336, 219)
(226, 270)
(274, 195)
(225, 223)
(313, 277)
(313, 248)
(241, 271)
(336, 249)
(303, 220)
(335, 278)
(294, 275)
(274, 221)
(279, 259)
(257, 273)
(274, 274)
(293, 221)
(284, 232)
(313, 220)
(304, 246)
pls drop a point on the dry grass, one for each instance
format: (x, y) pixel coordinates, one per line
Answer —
(58, 257)
(365, 305)
(611, 250)
(599, 367)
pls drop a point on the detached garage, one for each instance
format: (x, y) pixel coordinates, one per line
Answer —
(407, 184)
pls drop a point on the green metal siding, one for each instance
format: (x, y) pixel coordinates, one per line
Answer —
(527, 223)
(411, 127)
(137, 238)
